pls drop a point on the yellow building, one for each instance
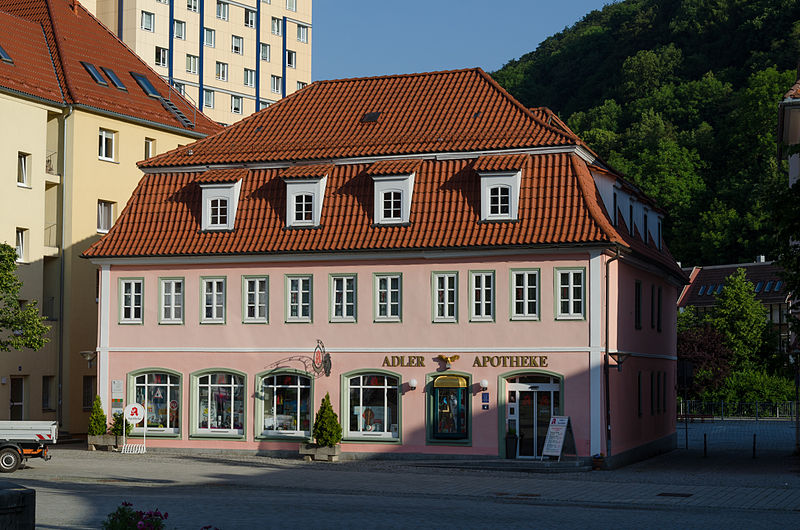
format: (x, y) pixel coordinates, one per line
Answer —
(79, 110)
(223, 55)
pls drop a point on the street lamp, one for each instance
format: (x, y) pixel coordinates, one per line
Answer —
(89, 355)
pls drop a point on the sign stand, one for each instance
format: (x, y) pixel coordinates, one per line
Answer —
(134, 413)
(558, 432)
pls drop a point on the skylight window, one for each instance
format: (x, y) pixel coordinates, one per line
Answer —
(710, 290)
(5, 57)
(758, 286)
(777, 286)
(719, 288)
(115, 80)
(370, 117)
(95, 73)
(702, 290)
(146, 85)
(768, 287)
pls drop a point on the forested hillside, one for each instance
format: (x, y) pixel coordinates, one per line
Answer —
(680, 96)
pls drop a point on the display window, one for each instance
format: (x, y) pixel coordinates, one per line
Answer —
(286, 405)
(160, 395)
(373, 406)
(219, 398)
(450, 408)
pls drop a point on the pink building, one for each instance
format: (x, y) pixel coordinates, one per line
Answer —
(468, 264)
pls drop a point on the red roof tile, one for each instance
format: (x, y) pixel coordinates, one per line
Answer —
(453, 111)
(213, 176)
(306, 171)
(32, 71)
(491, 163)
(794, 92)
(75, 35)
(759, 274)
(393, 167)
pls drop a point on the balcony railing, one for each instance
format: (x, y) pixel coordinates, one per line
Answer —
(51, 235)
(735, 410)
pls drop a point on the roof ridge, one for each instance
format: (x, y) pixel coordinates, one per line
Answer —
(394, 76)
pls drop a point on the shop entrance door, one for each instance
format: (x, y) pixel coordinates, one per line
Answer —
(17, 395)
(529, 408)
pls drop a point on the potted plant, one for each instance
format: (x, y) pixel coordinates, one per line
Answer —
(327, 433)
(511, 443)
(97, 433)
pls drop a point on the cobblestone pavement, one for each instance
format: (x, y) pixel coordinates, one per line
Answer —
(682, 489)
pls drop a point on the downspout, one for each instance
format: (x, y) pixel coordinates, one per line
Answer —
(61, 269)
(606, 356)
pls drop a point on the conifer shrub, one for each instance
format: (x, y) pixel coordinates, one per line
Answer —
(118, 422)
(98, 425)
(327, 430)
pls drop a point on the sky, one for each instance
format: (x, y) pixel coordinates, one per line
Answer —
(356, 38)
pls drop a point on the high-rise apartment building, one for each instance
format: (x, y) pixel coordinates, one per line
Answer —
(230, 58)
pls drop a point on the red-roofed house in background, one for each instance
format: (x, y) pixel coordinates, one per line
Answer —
(469, 265)
(79, 110)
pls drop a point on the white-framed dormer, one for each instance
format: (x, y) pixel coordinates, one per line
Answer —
(393, 195)
(304, 200)
(220, 200)
(500, 196)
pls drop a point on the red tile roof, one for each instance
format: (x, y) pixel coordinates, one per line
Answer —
(306, 171)
(393, 167)
(453, 111)
(794, 92)
(491, 163)
(214, 176)
(756, 273)
(75, 35)
(32, 71)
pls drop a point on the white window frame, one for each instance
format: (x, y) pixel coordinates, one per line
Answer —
(223, 10)
(525, 300)
(493, 180)
(209, 37)
(342, 285)
(179, 29)
(444, 296)
(232, 386)
(148, 21)
(131, 303)
(387, 310)
(301, 85)
(391, 431)
(255, 297)
(482, 295)
(291, 5)
(105, 216)
(173, 393)
(191, 63)
(221, 71)
(236, 104)
(191, 5)
(249, 18)
(291, 59)
(218, 304)
(249, 77)
(264, 47)
(237, 45)
(172, 293)
(500, 200)
(393, 183)
(208, 98)
(227, 191)
(301, 187)
(570, 299)
(218, 212)
(271, 380)
(108, 141)
(303, 209)
(296, 286)
(23, 169)
(149, 147)
(21, 244)
(302, 33)
(162, 56)
(275, 84)
(277, 26)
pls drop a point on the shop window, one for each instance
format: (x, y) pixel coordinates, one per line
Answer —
(219, 404)
(450, 408)
(286, 405)
(372, 407)
(160, 394)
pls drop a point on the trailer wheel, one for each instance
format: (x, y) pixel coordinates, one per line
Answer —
(9, 460)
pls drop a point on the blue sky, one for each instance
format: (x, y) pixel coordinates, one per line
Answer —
(355, 38)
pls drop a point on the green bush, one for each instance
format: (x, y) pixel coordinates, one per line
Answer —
(752, 385)
(97, 419)
(118, 422)
(327, 431)
(125, 518)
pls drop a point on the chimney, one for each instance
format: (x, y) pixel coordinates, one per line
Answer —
(761, 258)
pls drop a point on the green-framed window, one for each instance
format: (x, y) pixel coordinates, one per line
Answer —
(255, 299)
(570, 293)
(171, 294)
(213, 300)
(637, 301)
(343, 297)
(525, 294)
(482, 287)
(284, 405)
(218, 403)
(372, 404)
(444, 287)
(299, 298)
(388, 297)
(450, 408)
(131, 300)
(159, 392)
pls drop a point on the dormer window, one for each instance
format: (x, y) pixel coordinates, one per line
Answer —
(305, 194)
(500, 201)
(392, 206)
(393, 182)
(220, 197)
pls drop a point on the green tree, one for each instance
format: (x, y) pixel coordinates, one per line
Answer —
(327, 430)
(741, 319)
(20, 325)
(97, 419)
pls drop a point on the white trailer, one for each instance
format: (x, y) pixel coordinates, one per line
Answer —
(20, 440)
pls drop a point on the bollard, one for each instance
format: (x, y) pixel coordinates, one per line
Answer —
(705, 445)
(754, 445)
